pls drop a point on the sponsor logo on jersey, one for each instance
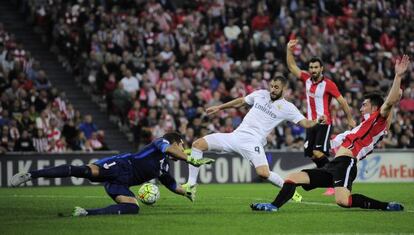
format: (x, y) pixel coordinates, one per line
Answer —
(265, 109)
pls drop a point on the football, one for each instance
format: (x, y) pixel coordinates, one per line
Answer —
(149, 193)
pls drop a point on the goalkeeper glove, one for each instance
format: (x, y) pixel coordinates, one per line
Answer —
(199, 162)
(187, 151)
(190, 191)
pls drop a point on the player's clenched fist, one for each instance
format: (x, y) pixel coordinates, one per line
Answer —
(292, 43)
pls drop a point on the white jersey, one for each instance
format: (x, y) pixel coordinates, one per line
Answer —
(266, 114)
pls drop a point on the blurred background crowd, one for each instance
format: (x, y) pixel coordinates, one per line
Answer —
(159, 64)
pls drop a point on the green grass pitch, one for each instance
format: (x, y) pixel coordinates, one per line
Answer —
(219, 209)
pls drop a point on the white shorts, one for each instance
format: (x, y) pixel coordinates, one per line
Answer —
(245, 145)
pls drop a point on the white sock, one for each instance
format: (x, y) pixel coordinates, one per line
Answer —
(275, 179)
(192, 170)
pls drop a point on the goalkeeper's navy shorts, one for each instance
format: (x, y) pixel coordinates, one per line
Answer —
(117, 175)
(340, 172)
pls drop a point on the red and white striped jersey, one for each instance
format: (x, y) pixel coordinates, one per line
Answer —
(362, 139)
(319, 96)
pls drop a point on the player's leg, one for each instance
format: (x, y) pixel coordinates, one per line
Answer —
(254, 152)
(90, 171)
(343, 177)
(344, 198)
(275, 179)
(197, 149)
(218, 142)
(289, 187)
(310, 142)
(320, 151)
(308, 179)
(125, 199)
(362, 201)
(321, 145)
(264, 173)
(256, 155)
(62, 171)
(285, 194)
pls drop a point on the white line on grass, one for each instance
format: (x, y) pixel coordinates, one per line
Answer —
(102, 197)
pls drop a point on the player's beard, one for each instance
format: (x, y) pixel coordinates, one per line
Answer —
(274, 96)
(315, 77)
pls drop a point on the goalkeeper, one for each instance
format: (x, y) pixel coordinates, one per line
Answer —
(122, 171)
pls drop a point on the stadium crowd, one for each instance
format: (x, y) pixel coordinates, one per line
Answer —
(34, 116)
(159, 64)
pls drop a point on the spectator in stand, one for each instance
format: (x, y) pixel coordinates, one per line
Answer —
(41, 82)
(53, 133)
(87, 126)
(81, 143)
(6, 141)
(24, 143)
(109, 88)
(130, 83)
(358, 59)
(24, 93)
(136, 116)
(407, 102)
(40, 141)
(58, 146)
(41, 101)
(95, 143)
(70, 133)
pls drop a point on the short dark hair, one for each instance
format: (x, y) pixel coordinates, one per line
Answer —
(173, 137)
(280, 78)
(316, 59)
(375, 98)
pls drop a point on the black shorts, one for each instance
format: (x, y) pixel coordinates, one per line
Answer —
(318, 138)
(340, 172)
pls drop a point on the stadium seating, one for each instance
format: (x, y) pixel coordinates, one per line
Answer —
(189, 55)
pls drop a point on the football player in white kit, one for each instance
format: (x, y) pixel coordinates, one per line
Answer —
(268, 109)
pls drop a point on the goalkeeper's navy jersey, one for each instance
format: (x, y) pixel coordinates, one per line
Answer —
(149, 163)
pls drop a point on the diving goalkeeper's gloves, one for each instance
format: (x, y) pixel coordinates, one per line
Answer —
(190, 191)
(187, 151)
(199, 162)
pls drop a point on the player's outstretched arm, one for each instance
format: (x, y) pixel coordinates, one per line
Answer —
(236, 103)
(177, 153)
(187, 191)
(290, 59)
(305, 123)
(401, 66)
(347, 110)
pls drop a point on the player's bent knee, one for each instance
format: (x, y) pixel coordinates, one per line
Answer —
(263, 174)
(200, 144)
(293, 177)
(342, 202)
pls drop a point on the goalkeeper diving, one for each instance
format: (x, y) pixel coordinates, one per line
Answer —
(118, 173)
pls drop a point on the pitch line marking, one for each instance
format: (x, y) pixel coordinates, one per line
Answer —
(104, 197)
